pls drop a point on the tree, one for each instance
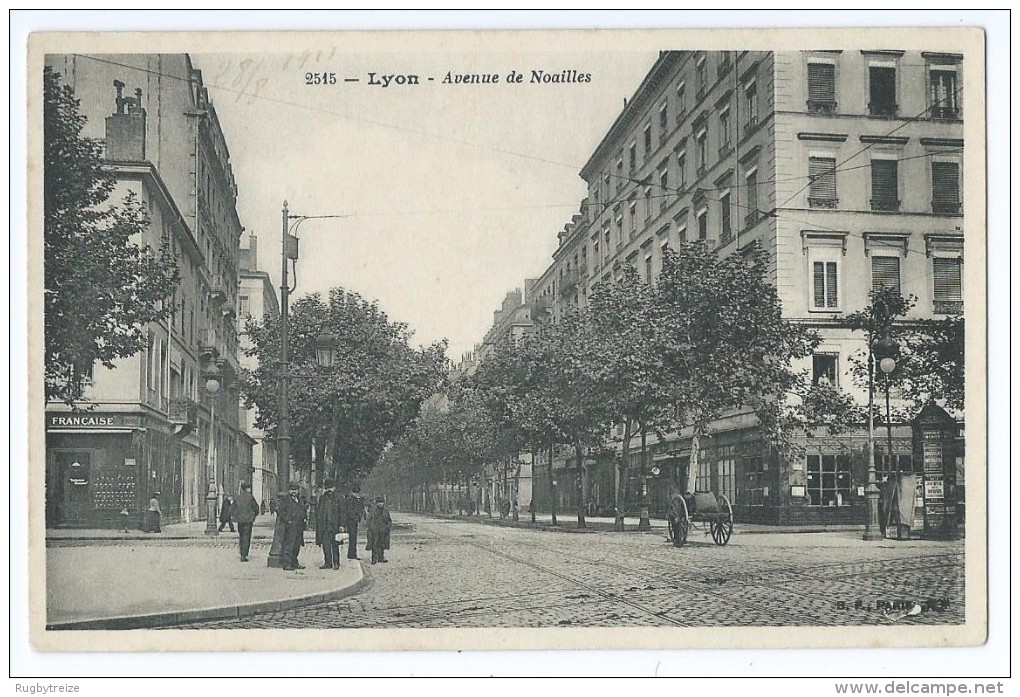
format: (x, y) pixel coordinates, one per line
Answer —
(101, 287)
(930, 364)
(724, 343)
(622, 355)
(365, 402)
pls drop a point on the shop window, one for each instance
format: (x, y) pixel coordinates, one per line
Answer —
(824, 369)
(828, 480)
(755, 490)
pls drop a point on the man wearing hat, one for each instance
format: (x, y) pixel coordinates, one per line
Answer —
(327, 525)
(292, 515)
(379, 523)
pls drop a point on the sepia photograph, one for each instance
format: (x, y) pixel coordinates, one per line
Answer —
(507, 340)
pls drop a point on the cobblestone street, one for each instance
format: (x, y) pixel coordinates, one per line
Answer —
(451, 573)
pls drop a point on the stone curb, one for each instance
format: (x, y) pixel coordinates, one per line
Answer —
(166, 619)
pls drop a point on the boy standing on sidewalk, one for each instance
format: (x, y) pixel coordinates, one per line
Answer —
(245, 511)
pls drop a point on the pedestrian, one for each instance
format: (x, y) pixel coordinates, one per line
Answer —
(262, 508)
(292, 516)
(153, 515)
(327, 525)
(353, 510)
(272, 505)
(379, 523)
(226, 514)
(245, 510)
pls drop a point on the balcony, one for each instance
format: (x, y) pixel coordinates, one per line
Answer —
(884, 109)
(945, 207)
(886, 205)
(724, 150)
(945, 113)
(948, 307)
(751, 218)
(183, 414)
(751, 125)
(822, 106)
(815, 202)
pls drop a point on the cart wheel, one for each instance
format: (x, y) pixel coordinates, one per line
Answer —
(723, 527)
(679, 525)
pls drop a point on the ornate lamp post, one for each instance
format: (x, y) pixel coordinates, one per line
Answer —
(213, 384)
(884, 351)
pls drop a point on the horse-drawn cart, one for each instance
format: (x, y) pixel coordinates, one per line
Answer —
(703, 509)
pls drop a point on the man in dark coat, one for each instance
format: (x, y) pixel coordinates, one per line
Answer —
(327, 525)
(292, 515)
(353, 510)
(226, 514)
(246, 509)
(379, 523)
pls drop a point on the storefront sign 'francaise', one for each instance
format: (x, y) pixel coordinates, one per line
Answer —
(84, 421)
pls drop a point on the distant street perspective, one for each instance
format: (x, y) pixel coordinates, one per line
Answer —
(464, 573)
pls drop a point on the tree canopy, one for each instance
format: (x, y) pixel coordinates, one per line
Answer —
(101, 286)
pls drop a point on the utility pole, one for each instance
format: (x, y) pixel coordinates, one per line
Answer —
(276, 555)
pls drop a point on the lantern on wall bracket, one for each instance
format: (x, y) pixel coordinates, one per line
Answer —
(325, 350)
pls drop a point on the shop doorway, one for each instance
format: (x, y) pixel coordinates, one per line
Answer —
(69, 487)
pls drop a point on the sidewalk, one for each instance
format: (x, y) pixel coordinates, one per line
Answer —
(105, 579)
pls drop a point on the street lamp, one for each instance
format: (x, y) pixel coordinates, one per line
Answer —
(326, 354)
(554, 483)
(884, 352)
(213, 377)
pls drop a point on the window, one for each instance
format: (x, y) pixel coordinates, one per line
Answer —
(823, 369)
(752, 198)
(648, 202)
(821, 88)
(595, 258)
(885, 273)
(608, 240)
(664, 178)
(648, 139)
(243, 306)
(726, 222)
(632, 157)
(822, 173)
(828, 480)
(606, 194)
(945, 187)
(702, 139)
(681, 232)
(882, 90)
(947, 292)
(619, 174)
(633, 216)
(150, 382)
(725, 482)
(681, 166)
(943, 93)
(681, 101)
(824, 281)
(664, 118)
(751, 104)
(700, 76)
(724, 131)
(703, 224)
(648, 269)
(885, 185)
(755, 489)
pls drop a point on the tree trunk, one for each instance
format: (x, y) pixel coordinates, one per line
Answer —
(692, 470)
(534, 466)
(552, 486)
(581, 498)
(329, 448)
(644, 523)
(621, 480)
(515, 513)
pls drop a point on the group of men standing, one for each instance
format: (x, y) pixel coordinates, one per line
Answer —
(334, 514)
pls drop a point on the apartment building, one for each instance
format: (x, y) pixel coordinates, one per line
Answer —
(846, 166)
(152, 426)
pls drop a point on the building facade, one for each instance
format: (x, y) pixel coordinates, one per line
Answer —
(846, 167)
(152, 427)
(258, 301)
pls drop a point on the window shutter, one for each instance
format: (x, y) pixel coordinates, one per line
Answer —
(945, 184)
(884, 180)
(830, 284)
(948, 281)
(822, 172)
(821, 82)
(727, 225)
(885, 273)
(819, 283)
